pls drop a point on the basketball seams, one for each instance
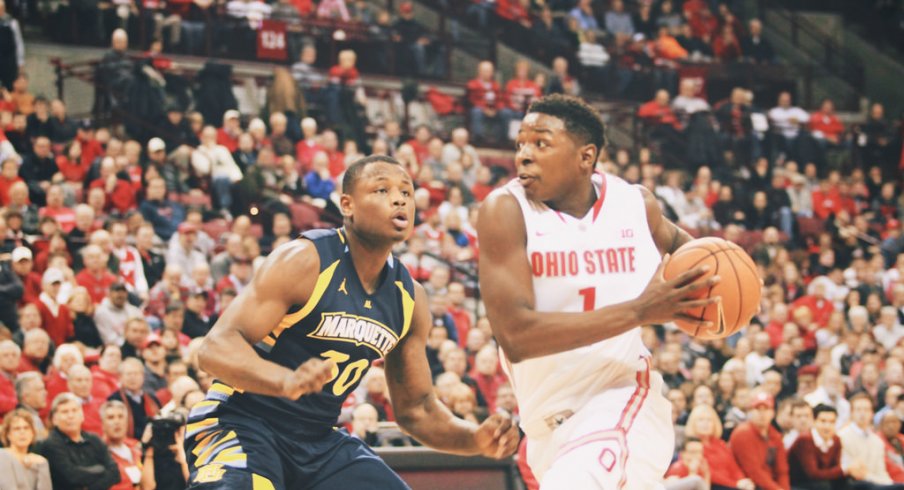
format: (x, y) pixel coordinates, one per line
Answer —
(737, 285)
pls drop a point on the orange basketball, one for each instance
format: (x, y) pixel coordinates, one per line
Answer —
(739, 287)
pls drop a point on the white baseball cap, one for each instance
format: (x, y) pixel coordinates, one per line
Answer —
(22, 253)
(156, 144)
(52, 275)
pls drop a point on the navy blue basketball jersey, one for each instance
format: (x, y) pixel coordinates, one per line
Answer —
(341, 322)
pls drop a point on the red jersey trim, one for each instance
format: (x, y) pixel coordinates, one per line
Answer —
(598, 205)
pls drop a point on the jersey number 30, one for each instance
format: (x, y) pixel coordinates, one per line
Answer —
(344, 375)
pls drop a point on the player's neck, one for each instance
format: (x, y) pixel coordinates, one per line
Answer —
(369, 259)
(576, 204)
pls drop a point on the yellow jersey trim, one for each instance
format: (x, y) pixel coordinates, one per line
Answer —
(323, 280)
(407, 308)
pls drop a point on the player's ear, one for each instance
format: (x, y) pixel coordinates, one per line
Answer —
(589, 154)
(346, 205)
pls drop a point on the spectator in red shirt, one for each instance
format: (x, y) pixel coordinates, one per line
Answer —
(240, 273)
(460, 315)
(726, 45)
(78, 382)
(9, 175)
(228, 135)
(308, 146)
(55, 317)
(825, 125)
(890, 432)
(815, 457)
(124, 450)
(658, 112)
(57, 210)
(757, 446)
(330, 143)
(118, 190)
(91, 148)
(421, 143)
(520, 91)
(827, 199)
(9, 364)
(485, 99)
(691, 466)
(820, 307)
(105, 374)
(95, 276)
(704, 424)
(487, 375)
(71, 164)
(23, 266)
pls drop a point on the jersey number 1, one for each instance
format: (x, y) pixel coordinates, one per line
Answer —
(350, 373)
(589, 295)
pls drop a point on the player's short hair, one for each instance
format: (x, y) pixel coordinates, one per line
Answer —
(581, 121)
(354, 171)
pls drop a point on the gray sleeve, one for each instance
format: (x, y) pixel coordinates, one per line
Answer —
(43, 477)
(20, 45)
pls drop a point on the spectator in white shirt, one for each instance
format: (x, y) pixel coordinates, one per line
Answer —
(887, 330)
(787, 120)
(214, 160)
(758, 360)
(831, 393)
(860, 445)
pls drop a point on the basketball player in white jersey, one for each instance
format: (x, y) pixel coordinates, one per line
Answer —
(570, 266)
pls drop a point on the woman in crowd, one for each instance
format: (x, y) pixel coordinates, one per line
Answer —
(703, 423)
(19, 468)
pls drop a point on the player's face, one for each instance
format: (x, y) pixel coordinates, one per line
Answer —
(381, 205)
(549, 161)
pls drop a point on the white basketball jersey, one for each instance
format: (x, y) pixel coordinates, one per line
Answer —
(606, 257)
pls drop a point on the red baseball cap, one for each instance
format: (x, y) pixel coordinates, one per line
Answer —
(762, 399)
(153, 338)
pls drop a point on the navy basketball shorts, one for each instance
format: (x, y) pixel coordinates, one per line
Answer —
(237, 451)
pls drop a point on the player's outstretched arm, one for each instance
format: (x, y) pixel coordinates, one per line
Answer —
(286, 278)
(506, 284)
(422, 415)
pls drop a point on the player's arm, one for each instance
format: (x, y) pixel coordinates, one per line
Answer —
(667, 235)
(286, 278)
(422, 415)
(506, 284)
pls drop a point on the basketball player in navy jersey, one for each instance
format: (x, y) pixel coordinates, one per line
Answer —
(570, 266)
(299, 339)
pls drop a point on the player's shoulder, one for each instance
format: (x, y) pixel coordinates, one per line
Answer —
(503, 200)
(299, 256)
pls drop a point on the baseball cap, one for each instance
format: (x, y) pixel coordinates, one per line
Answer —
(892, 224)
(153, 338)
(156, 144)
(52, 275)
(762, 399)
(86, 124)
(21, 253)
(808, 370)
(186, 227)
(231, 114)
(406, 8)
(118, 286)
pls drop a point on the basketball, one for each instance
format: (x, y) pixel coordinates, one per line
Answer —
(739, 287)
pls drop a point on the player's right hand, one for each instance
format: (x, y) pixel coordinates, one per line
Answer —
(308, 378)
(667, 300)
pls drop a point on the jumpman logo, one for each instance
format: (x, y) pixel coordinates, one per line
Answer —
(342, 288)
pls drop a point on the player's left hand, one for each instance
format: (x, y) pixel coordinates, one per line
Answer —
(497, 437)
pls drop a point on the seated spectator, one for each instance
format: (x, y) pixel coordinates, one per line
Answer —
(318, 183)
(726, 46)
(520, 91)
(691, 471)
(9, 362)
(169, 289)
(815, 457)
(364, 424)
(333, 9)
(888, 330)
(39, 169)
(163, 214)
(801, 422)
(458, 147)
(486, 101)
(618, 22)
(35, 342)
(667, 46)
(184, 253)
(704, 425)
(23, 266)
(658, 113)
(583, 13)
(214, 160)
(153, 354)
(9, 175)
(422, 54)
(197, 321)
(561, 81)
(825, 126)
(861, 447)
(753, 441)
(116, 186)
(142, 405)
(755, 47)
(95, 277)
(79, 382)
(485, 372)
(890, 432)
(125, 451)
(688, 101)
(105, 374)
(78, 459)
(33, 399)
(55, 317)
(20, 468)
(64, 358)
(593, 58)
